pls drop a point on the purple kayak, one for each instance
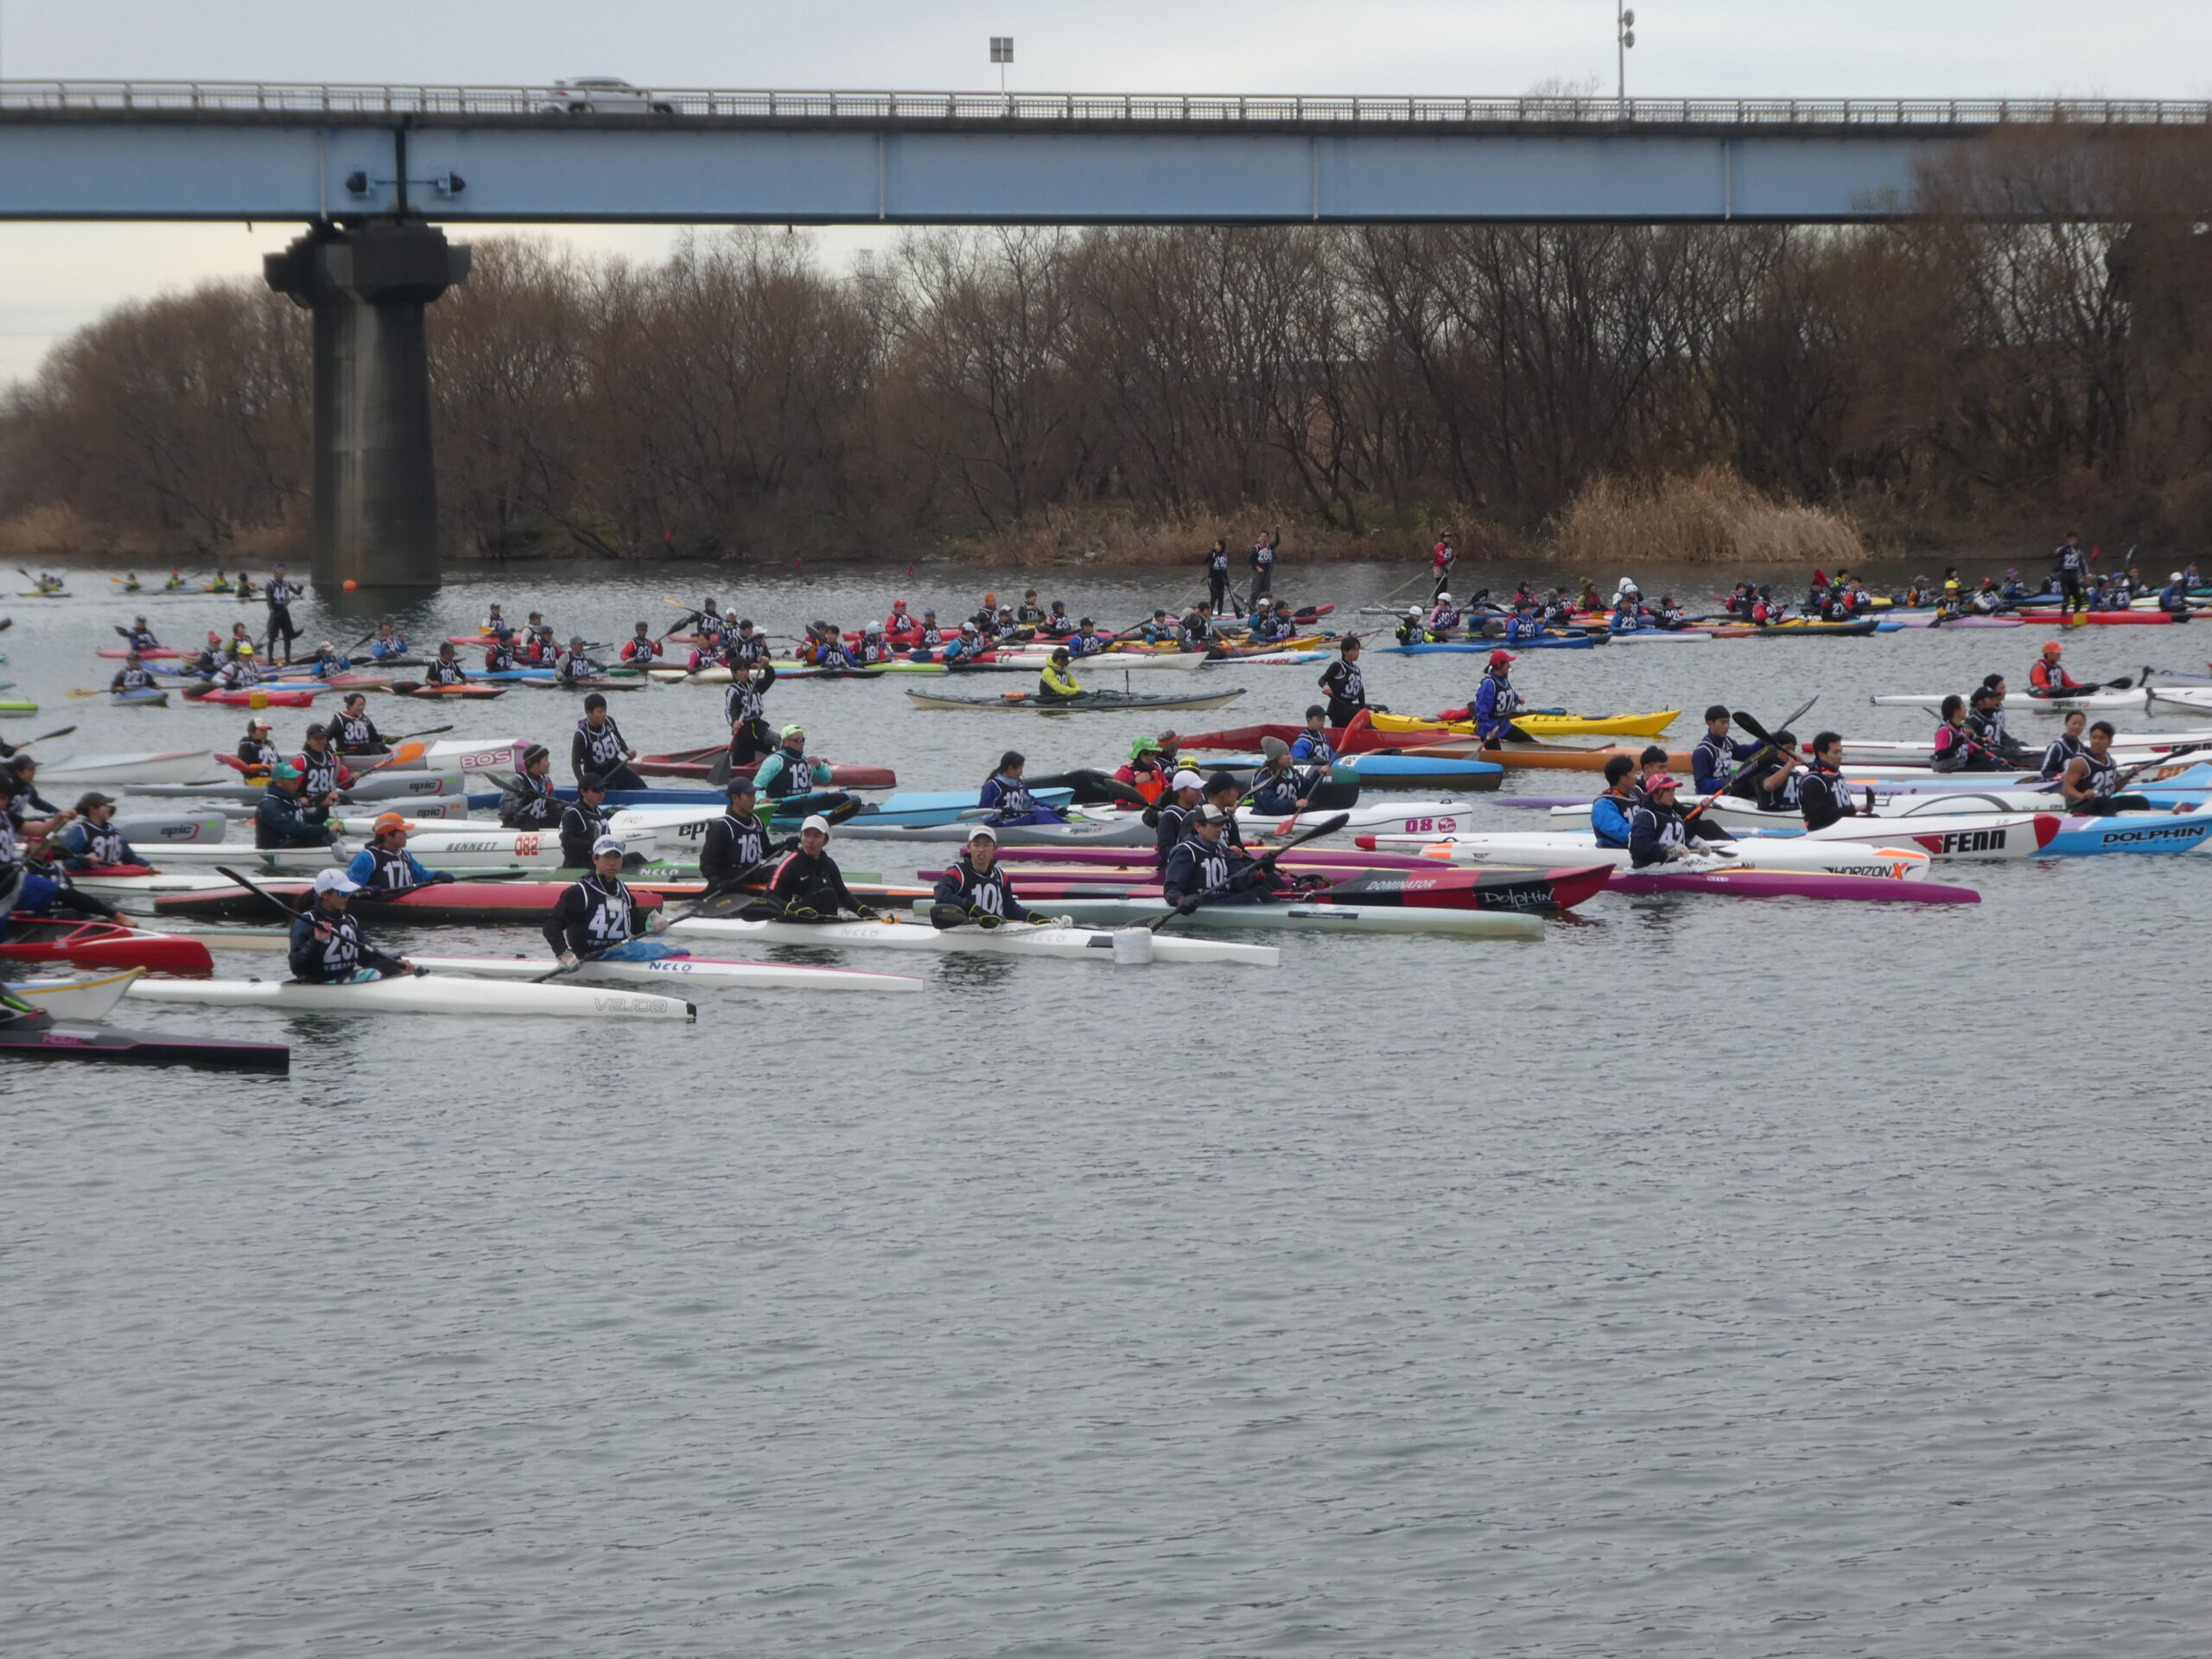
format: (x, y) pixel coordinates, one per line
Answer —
(1792, 884)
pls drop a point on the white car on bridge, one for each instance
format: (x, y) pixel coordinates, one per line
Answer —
(603, 95)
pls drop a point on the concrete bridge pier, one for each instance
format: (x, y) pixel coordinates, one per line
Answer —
(376, 491)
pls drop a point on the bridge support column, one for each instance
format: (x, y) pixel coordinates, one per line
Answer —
(376, 491)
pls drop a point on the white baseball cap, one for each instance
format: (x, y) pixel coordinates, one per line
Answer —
(815, 821)
(606, 844)
(335, 882)
(1188, 779)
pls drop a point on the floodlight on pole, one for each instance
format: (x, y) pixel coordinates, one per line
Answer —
(1001, 54)
(1625, 37)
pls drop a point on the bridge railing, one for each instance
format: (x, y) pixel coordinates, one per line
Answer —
(274, 97)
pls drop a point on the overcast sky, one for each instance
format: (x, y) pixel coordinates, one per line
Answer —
(54, 277)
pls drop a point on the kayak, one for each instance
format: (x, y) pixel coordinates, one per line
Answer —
(683, 973)
(411, 787)
(259, 697)
(101, 945)
(42, 593)
(411, 994)
(1464, 647)
(1802, 627)
(1118, 830)
(554, 682)
(75, 999)
(140, 696)
(1905, 618)
(1886, 863)
(1412, 770)
(127, 769)
(1083, 702)
(1319, 918)
(1417, 888)
(1074, 944)
(1115, 662)
(452, 901)
(1791, 884)
(2112, 618)
(1650, 725)
(1393, 817)
(37, 1037)
(698, 763)
(464, 693)
(2092, 701)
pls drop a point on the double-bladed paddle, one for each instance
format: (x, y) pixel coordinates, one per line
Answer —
(1326, 826)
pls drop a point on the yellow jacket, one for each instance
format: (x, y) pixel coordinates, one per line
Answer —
(1053, 682)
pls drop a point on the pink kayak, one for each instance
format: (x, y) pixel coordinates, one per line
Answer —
(150, 654)
(1793, 884)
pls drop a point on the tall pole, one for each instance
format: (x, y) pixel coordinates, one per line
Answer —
(1623, 38)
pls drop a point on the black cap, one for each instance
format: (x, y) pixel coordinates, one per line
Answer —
(590, 780)
(1219, 781)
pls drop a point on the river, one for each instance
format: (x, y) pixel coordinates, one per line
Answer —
(1713, 1278)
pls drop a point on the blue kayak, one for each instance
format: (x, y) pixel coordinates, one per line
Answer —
(2132, 832)
(1379, 771)
(150, 696)
(918, 810)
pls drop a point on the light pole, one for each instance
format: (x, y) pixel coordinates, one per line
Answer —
(1624, 35)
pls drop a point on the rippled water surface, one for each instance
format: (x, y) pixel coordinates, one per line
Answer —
(1712, 1278)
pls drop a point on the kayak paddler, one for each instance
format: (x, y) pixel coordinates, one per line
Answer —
(323, 776)
(445, 671)
(599, 915)
(528, 801)
(1170, 819)
(1342, 681)
(385, 868)
(1495, 702)
(978, 890)
(92, 841)
(1610, 812)
(1007, 800)
(745, 713)
(2048, 677)
(598, 746)
(1776, 780)
(735, 842)
(1956, 748)
(256, 752)
(1204, 868)
(141, 637)
(2091, 776)
(1714, 761)
(328, 947)
(2062, 748)
(1279, 786)
(1224, 794)
(1659, 831)
(1145, 771)
(283, 820)
(1058, 679)
(1312, 747)
(1986, 723)
(355, 732)
(789, 771)
(1822, 795)
(239, 673)
(583, 825)
(808, 885)
(133, 675)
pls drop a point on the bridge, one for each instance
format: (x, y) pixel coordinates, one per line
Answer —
(367, 169)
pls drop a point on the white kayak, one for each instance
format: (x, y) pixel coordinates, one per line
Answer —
(445, 994)
(2094, 701)
(498, 850)
(1074, 942)
(2196, 697)
(1384, 816)
(1564, 847)
(76, 999)
(1315, 918)
(1876, 755)
(678, 974)
(1102, 828)
(1111, 662)
(120, 770)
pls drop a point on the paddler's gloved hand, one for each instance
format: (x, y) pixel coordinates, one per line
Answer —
(982, 918)
(1186, 906)
(441, 878)
(867, 913)
(801, 914)
(568, 958)
(1063, 921)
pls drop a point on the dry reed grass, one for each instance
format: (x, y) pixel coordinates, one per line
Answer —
(1708, 517)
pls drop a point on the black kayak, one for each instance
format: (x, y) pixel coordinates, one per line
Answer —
(38, 1037)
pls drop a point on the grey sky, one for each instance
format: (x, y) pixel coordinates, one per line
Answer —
(54, 277)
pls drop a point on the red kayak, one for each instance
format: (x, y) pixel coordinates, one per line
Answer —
(101, 945)
(36, 1037)
(259, 697)
(699, 763)
(150, 654)
(449, 902)
(2113, 619)
(465, 693)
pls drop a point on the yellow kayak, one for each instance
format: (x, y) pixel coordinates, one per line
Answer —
(1649, 725)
